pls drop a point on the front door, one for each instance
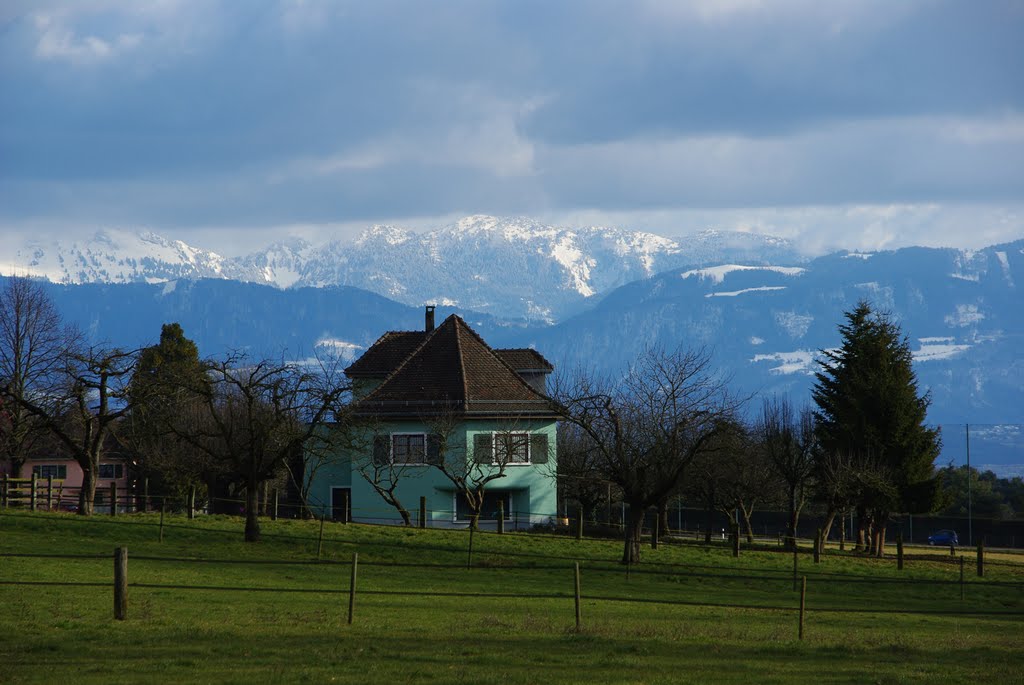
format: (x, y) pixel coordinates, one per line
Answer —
(341, 504)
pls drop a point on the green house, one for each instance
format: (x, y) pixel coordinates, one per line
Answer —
(443, 420)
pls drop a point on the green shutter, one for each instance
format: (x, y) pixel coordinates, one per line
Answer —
(483, 452)
(539, 448)
(381, 450)
(434, 455)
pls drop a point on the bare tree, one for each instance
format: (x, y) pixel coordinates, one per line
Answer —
(577, 474)
(746, 478)
(648, 426)
(254, 417)
(82, 410)
(788, 441)
(34, 344)
(384, 465)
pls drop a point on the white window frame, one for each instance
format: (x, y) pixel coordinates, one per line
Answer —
(391, 449)
(497, 435)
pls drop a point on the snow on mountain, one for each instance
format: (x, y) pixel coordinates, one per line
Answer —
(515, 268)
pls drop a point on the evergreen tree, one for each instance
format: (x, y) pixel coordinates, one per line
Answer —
(869, 407)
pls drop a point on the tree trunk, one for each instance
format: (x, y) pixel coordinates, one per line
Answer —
(663, 527)
(634, 531)
(792, 520)
(826, 530)
(710, 513)
(880, 534)
(87, 495)
(406, 519)
(862, 543)
(746, 522)
(252, 518)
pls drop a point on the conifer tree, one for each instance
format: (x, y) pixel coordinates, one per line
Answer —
(869, 407)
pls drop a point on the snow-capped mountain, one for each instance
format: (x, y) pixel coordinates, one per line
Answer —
(510, 267)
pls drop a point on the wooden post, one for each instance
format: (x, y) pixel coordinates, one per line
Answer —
(961, 577)
(423, 511)
(501, 517)
(49, 493)
(33, 492)
(952, 550)
(803, 605)
(3, 492)
(899, 551)
(469, 557)
(344, 506)
(656, 531)
(817, 547)
(579, 522)
(113, 498)
(163, 505)
(192, 503)
(579, 616)
(981, 558)
(121, 583)
(796, 566)
(320, 540)
(736, 540)
(146, 504)
(352, 587)
(277, 503)
(842, 533)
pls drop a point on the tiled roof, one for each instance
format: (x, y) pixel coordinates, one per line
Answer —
(453, 371)
(390, 350)
(525, 359)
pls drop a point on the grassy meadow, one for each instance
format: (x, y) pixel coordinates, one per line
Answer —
(206, 607)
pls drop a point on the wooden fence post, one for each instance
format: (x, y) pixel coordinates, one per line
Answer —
(656, 531)
(320, 540)
(961, 577)
(803, 605)
(817, 546)
(501, 517)
(352, 587)
(899, 551)
(579, 615)
(33, 492)
(981, 559)
(277, 501)
(423, 511)
(579, 522)
(49, 493)
(121, 583)
(113, 498)
(163, 505)
(344, 506)
(469, 557)
(736, 540)
(192, 503)
(3, 492)
(146, 504)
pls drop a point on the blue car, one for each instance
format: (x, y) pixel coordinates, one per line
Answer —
(944, 538)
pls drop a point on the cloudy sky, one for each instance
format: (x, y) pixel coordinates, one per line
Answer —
(854, 124)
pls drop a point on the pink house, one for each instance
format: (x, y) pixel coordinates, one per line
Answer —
(61, 478)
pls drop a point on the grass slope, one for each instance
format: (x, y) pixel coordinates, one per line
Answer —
(286, 621)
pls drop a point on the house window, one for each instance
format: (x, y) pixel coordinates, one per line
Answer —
(489, 509)
(512, 448)
(409, 448)
(111, 471)
(59, 471)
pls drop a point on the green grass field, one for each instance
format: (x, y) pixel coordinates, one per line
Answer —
(240, 614)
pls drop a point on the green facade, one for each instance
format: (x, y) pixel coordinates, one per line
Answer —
(527, 491)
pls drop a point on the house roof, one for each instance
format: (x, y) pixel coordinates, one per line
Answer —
(451, 371)
(525, 359)
(390, 350)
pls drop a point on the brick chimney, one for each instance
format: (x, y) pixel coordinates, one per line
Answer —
(429, 323)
